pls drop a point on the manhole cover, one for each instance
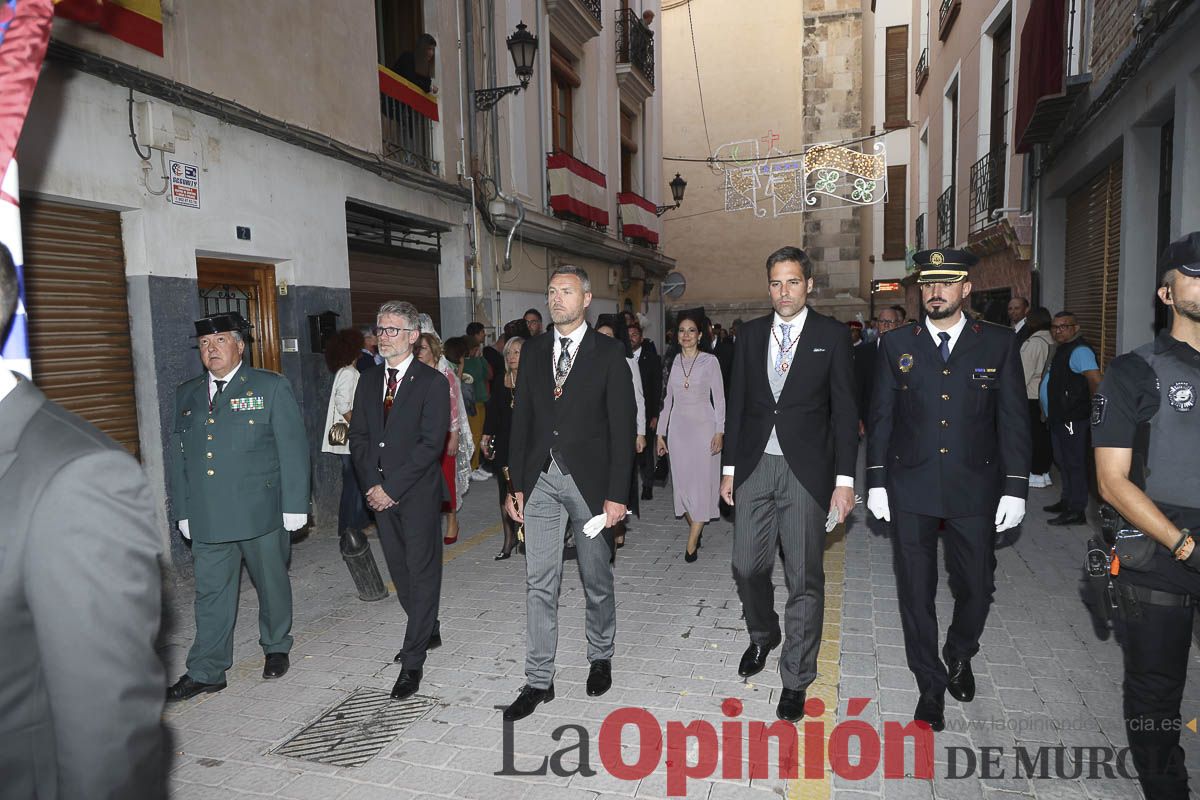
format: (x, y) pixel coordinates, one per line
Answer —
(354, 731)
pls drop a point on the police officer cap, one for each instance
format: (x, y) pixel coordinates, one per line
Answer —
(1183, 255)
(220, 323)
(944, 265)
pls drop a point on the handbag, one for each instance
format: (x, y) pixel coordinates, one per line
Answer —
(338, 433)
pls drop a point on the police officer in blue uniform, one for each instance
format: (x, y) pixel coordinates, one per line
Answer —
(1146, 434)
(948, 441)
(239, 486)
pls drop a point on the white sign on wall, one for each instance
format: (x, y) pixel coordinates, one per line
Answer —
(185, 184)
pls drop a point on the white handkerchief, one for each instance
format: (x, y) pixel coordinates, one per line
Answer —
(831, 521)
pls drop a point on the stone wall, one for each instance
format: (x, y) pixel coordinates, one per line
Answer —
(833, 111)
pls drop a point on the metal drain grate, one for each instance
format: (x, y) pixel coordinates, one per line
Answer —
(354, 731)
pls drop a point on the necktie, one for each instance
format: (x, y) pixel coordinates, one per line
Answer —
(391, 392)
(944, 347)
(220, 388)
(784, 346)
(564, 360)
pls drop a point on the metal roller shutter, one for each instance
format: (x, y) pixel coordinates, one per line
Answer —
(1093, 256)
(376, 278)
(79, 314)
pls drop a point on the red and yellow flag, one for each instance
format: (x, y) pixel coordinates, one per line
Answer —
(137, 22)
(399, 88)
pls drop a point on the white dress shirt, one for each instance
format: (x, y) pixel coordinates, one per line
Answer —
(212, 382)
(576, 337)
(401, 368)
(954, 332)
(776, 336)
(1020, 324)
(8, 382)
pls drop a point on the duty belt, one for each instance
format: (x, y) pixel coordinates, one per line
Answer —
(1152, 597)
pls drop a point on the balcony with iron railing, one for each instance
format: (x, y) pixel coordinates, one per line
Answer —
(922, 71)
(575, 22)
(407, 116)
(945, 218)
(578, 192)
(946, 16)
(635, 56)
(987, 188)
(920, 237)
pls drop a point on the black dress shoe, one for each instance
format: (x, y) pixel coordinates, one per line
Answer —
(755, 657)
(1069, 518)
(276, 666)
(407, 684)
(502, 555)
(647, 493)
(1055, 508)
(435, 641)
(961, 683)
(599, 677)
(690, 557)
(186, 688)
(791, 705)
(527, 701)
(931, 708)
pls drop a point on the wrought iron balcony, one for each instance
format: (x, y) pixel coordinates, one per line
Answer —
(920, 238)
(922, 72)
(635, 44)
(987, 188)
(946, 16)
(593, 7)
(407, 115)
(945, 218)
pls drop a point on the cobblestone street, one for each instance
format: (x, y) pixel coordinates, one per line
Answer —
(1043, 677)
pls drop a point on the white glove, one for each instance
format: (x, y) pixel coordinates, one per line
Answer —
(1009, 512)
(877, 504)
(294, 522)
(183, 528)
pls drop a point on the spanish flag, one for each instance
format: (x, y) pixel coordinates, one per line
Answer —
(138, 22)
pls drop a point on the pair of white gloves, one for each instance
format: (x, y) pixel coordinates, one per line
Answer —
(291, 522)
(1009, 512)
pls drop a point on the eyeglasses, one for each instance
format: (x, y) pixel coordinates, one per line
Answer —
(1063, 327)
(391, 332)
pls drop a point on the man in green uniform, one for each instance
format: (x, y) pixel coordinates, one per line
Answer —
(239, 485)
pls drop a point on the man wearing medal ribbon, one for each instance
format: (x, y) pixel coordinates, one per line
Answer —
(791, 441)
(570, 457)
(948, 441)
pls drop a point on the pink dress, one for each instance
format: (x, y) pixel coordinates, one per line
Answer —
(690, 418)
(449, 468)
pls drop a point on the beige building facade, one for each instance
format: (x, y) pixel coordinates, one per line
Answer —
(753, 90)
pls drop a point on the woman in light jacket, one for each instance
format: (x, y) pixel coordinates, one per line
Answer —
(340, 354)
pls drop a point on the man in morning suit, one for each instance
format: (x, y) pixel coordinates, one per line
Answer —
(571, 455)
(791, 436)
(948, 440)
(239, 486)
(81, 686)
(398, 433)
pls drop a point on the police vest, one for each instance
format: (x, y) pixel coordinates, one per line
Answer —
(1173, 458)
(1067, 395)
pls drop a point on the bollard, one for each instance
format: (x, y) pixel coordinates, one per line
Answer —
(356, 552)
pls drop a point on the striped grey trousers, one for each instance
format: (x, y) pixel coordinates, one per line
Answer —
(773, 511)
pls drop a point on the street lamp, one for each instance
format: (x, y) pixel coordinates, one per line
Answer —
(678, 184)
(522, 45)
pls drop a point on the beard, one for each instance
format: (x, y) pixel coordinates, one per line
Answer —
(561, 316)
(1189, 309)
(947, 310)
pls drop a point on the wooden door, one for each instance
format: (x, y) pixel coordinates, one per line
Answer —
(248, 289)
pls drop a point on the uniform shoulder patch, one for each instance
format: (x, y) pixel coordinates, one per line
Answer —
(1099, 402)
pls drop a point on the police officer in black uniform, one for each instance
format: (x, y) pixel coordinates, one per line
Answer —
(1146, 431)
(948, 440)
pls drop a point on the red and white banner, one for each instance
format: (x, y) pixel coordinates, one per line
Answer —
(639, 217)
(576, 188)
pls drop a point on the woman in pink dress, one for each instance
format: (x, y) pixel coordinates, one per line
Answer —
(691, 427)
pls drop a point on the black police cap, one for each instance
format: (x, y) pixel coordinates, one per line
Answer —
(944, 265)
(1182, 254)
(220, 323)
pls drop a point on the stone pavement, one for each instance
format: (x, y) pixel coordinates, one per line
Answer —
(1043, 677)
